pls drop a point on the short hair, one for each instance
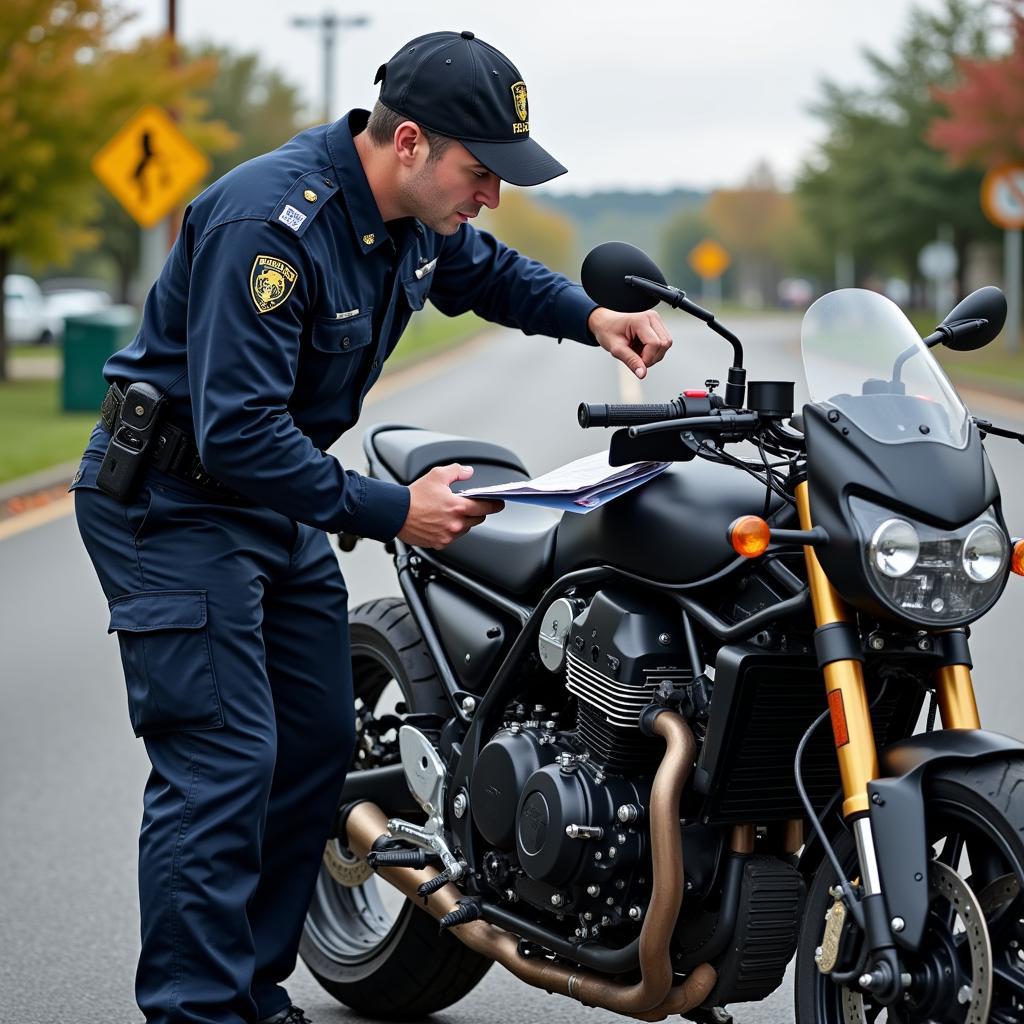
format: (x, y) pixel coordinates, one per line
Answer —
(384, 122)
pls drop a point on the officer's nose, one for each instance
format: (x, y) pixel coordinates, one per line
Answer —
(487, 194)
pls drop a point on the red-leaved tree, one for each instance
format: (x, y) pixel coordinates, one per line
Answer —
(985, 121)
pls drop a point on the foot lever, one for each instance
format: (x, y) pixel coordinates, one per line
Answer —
(468, 910)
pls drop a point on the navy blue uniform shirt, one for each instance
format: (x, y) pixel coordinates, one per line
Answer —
(278, 304)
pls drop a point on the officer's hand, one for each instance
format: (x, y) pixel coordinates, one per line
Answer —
(638, 339)
(437, 515)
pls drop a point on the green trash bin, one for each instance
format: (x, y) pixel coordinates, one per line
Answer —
(88, 341)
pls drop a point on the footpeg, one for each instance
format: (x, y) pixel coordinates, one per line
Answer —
(468, 910)
(401, 859)
(439, 881)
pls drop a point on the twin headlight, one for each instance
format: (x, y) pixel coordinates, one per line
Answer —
(935, 577)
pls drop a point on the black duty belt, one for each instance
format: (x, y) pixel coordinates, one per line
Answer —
(174, 450)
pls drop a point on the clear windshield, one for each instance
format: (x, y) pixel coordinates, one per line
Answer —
(863, 357)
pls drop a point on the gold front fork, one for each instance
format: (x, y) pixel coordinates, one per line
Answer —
(844, 684)
(957, 702)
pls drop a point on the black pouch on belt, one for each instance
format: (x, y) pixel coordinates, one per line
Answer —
(130, 440)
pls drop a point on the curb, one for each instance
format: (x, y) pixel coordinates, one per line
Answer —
(35, 490)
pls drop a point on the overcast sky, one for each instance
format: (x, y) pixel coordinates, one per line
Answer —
(641, 94)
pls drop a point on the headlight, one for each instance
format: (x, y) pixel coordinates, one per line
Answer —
(984, 552)
(894, 548)
(930, 576)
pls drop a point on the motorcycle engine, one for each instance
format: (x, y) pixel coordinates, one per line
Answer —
(564, 808)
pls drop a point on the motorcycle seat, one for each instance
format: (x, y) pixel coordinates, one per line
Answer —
(512, 550)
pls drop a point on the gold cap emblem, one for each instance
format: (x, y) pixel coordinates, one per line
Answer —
(368, 239)
(309, 195)
(271, 281)
(519, 98)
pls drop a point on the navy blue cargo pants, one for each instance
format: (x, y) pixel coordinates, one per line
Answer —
(233, 627)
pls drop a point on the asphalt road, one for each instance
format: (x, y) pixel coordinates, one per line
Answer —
(71, 774)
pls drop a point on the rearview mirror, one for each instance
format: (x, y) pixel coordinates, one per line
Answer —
(604, 274)
(974, 321)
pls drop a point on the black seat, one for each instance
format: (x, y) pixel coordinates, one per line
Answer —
(513, 550)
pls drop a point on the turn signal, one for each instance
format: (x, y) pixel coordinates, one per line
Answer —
(1017, 558)
(749, 536)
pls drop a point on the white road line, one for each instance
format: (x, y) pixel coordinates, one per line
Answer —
(629, 385)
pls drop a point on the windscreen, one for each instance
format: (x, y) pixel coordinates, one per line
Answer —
(863, 357)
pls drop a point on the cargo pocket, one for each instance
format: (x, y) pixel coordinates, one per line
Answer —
(168, 668)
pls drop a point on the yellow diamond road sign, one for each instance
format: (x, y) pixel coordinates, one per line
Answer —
(149, 165)
(709, 259)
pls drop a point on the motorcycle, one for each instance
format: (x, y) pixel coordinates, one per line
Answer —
(604, 765)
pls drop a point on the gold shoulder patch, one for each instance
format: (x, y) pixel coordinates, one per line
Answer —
(271, 282)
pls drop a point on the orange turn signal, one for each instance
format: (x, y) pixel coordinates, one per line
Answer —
(749, 536)
(1017, 558)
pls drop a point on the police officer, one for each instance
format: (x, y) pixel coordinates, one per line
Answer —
(289, 285)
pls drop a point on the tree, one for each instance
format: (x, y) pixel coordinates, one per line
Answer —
(533, 230)
(259, 107)
(64, 90)
(754, 223)
(876, 187)
(984, 111)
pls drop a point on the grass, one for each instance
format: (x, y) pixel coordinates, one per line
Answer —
(35, 351)
(992, 366)
(34, 432)
(430, 331)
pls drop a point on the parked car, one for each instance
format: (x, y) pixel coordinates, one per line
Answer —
(64, 297)
(26, 318)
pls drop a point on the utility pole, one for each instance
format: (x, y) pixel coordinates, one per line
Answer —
(328, 24)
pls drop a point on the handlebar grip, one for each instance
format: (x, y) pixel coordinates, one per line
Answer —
(600, 415)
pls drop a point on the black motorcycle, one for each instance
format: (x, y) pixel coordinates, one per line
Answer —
(606, 767)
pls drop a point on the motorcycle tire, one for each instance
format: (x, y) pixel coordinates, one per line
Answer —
(365, 944)
(975, 817)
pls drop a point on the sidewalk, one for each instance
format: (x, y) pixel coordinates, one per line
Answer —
(35, 367)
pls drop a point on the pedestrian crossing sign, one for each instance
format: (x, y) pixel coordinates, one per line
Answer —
(149, 165)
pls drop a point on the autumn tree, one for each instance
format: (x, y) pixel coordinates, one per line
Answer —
(260, 108)
(754, 223)
(532, 229)
(983, 119)
(65, 88)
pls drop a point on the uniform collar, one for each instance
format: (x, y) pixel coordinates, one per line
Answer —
(364, 215)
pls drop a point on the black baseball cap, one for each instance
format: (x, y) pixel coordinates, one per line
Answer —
(457, 85)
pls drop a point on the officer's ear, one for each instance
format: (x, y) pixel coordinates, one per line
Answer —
(410, 144)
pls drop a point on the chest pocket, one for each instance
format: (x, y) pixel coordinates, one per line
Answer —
(339, 348)
(416, 289)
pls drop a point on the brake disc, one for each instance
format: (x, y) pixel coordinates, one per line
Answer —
(344, 866)
(944, 882)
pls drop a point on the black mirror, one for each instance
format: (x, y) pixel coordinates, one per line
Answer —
(604, 274)
(974, 321)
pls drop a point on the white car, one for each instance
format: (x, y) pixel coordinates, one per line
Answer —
(70, 297)
(26, 318)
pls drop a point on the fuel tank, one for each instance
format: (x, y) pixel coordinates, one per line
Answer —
(672, 529)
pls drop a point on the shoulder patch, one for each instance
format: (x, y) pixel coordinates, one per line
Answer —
(271, 281)
(305, 198)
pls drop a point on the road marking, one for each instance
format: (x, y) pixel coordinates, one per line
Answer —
(395, 382)
(629, 385)
(36, 517)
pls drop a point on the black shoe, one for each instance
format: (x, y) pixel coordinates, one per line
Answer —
(292, 1015)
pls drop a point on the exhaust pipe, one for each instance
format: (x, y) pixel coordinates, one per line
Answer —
(653, 997)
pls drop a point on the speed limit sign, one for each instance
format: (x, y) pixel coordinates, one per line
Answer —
(1002, 196)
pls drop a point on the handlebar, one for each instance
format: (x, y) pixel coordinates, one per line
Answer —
(600, 415)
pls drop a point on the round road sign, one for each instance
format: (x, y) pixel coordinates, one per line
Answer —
(1002, 196)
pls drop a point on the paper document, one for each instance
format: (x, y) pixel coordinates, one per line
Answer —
(579, 486)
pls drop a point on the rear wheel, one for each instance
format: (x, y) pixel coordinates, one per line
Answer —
(364, 942)
(970, 969)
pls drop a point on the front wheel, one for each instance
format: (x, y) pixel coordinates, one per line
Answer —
(363, 941)
(970, 969)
